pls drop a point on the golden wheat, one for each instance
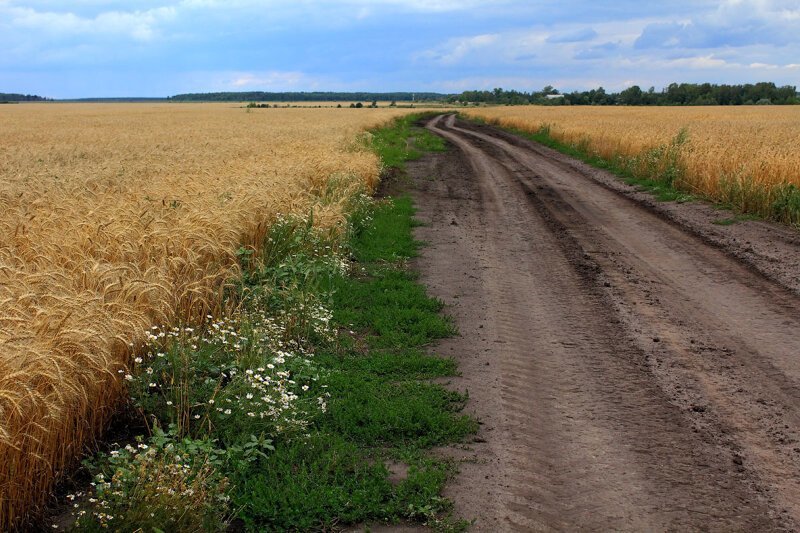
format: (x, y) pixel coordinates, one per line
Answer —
(740, 155)
(117, 217)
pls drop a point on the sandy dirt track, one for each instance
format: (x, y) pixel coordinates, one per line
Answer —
(634, 367)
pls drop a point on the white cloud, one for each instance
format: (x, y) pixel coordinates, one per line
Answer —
(138, 25)
(427, 5)
(490, 82)
(734, 23)
(190, 45)
(269, 81)
(733, 50)
(454, 50)
(433, 6)
(693, 62)
(773, 66)
(552, 45)
(699, 62)
(576, 36)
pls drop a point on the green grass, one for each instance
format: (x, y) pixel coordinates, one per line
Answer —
(403, 141)
(655, 171)
(354, 360)
(388, 238)
(382, 404)
(659, 172)
(327, 482)
(729, 221)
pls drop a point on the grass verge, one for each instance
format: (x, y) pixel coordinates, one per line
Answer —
(403, 140)
(656, 171)
(659, 171)
(310, 407)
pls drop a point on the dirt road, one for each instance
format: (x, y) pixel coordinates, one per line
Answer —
(628, 374)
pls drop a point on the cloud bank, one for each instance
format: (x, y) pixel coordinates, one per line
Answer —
(118, 48)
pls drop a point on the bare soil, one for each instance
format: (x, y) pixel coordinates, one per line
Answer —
(634, 366)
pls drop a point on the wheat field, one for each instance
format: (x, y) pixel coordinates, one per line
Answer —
(744, 156)
(116, 217)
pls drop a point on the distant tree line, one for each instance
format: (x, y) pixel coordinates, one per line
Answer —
(15, 97)
(117, 100)
(260, 96)
(503, 97)
(674, 94)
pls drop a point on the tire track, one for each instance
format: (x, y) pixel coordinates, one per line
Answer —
(586, 424)
(696, 293)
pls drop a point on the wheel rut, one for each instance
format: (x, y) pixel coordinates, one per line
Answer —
(612, 394)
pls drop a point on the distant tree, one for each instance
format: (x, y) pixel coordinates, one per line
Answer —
(599, 97)
(631, 96)
(359, 105)
(16, 97)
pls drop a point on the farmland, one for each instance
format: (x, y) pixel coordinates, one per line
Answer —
(744, 157)
(216, 279)
(117, 218)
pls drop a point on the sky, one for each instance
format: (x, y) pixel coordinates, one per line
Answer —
(116, 48)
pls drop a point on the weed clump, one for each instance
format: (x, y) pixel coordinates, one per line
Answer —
(282, 413)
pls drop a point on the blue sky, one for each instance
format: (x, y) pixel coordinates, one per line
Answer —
(159, 48)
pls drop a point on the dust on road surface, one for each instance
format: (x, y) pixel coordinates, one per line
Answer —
(630, 372)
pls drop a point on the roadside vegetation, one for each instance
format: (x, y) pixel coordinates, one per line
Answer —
(309, 406)
(678, 154)
(120, 217)
(404, 141)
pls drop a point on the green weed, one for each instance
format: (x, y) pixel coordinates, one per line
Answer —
(659, 171)
(403, 141)
(288, 410)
